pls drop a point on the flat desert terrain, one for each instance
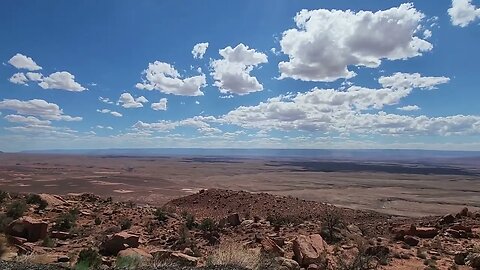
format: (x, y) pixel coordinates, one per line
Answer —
(398, 188)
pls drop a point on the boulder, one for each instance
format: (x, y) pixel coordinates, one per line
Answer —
(287, 264)
(411, 240)
(447, 219)
(271, 248)
(309, 249)
(231, 220)
(426, 232)
(120, 241)
(134, 252)
(28, 228)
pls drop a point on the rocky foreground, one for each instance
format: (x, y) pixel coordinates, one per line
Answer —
(222, 229)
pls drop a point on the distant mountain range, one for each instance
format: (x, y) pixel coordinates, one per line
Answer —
(355, 154)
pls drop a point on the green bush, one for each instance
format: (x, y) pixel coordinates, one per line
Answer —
(36, 199)
(88, 259)
(160, 215)
(66, 221)
(189, 220)
(208, 225)
(16, 209)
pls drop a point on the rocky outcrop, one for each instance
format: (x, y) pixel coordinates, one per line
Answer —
(28, 228)
(309, 249)
(271, 248)
(120, 241)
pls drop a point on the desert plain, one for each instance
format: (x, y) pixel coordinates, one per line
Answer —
(405, 188)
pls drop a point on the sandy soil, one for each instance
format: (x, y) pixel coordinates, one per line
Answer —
(410, 189)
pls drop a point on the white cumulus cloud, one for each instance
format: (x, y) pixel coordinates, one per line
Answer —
(37, 107)
(114, 113)
(326, 42)
(161, 105)
(232, 73)
(463, 12)
(62, 80)
(199, 50)
(21, 61)
(19, 78)
(165, 78)
(128, 101)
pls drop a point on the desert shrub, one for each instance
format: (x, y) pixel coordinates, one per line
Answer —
(128, 262)
(278, 221)
(89, 258)
(208, 225)
(3, 196)
(234, 254)
(36, 199)
(331, 223)
(125, 224)
(4, 221)
(421, 253)
(189, 220)
(48, 242)
(131, 204)
(160, 215)
(66, 221)
(98, 221)
(16, 209)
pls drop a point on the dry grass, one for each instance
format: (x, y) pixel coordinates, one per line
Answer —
(3, 245)
(234, 254)
(34, 258)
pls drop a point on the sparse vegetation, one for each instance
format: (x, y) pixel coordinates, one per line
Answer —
(67, 221)
(88, 259)
(208, 225)
(234, 254)
(128, 263)
(48, 242)
(278, 221)
(331, 223)
(160, 215)
(189, 220)
(16, 209)
(3, 245)
(36, 199)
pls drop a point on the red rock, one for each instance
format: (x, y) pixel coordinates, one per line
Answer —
(309, 249)
(426, 232)
(28, 228)
(120, 241)
(16, 240)
(61, 235)
(411, 240)
(271, 248)
(184, 259)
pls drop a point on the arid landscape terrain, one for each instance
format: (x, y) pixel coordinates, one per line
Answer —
(407, 188)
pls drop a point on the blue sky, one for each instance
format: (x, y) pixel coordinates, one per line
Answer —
(275, 74)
